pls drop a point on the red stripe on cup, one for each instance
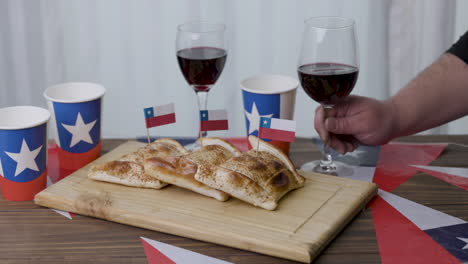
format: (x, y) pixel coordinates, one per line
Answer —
(69, 162)
(23, 191)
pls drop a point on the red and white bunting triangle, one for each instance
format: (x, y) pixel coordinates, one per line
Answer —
(422, 216)
(161, 253)
(66, 214)
(408, 232)
(395, 160)
(454, 176)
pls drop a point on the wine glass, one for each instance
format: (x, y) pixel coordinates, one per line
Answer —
(328, 69)
(201, 49)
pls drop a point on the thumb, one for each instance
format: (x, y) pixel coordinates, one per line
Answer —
(339, 125)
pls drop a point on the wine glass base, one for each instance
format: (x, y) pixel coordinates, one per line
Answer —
(336, 168)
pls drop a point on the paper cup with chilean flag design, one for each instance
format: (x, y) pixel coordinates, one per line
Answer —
(268, 96)
(23, 151)
(76, 123)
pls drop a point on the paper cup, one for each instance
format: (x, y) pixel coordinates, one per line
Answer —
(76, 123)
(23, 151)
(268, 96)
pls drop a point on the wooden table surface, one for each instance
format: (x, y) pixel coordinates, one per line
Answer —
(33, 234)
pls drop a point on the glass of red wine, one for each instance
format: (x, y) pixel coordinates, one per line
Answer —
(328, 69)
(201, 52)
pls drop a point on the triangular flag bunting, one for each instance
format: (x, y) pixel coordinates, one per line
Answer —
(153, 255)
(422, 216)
(63, 213)
(393, 166)
(454, 176)
(161, 253)
(400, 241)
(409, 232)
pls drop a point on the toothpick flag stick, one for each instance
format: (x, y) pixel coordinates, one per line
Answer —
(148, 136)
(258, 146)
(200, 135)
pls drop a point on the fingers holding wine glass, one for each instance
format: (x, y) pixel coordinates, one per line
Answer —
(319, 122)
(358, 119)
(340, 143)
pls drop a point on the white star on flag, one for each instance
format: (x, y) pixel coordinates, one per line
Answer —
(25, 159)
(464, 240)
(80, 131)
(254, 118)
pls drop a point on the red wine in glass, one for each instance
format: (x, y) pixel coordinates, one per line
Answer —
(328, 69)
(201, 51)
(201, 66)
(326, 83)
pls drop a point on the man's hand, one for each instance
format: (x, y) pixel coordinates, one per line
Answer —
(356, 120)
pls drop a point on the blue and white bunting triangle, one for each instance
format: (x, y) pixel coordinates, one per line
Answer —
(448, 231)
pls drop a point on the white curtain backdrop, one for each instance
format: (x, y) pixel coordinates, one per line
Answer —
(419, 32)
(128, 46)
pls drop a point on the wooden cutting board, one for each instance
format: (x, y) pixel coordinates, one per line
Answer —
(306, 220)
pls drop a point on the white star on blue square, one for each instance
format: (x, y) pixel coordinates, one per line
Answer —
(265, 122)
(204, 115)
(149, 112)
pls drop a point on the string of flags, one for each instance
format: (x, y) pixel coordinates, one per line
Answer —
(408, 232)
(418, 234)
(212, 120)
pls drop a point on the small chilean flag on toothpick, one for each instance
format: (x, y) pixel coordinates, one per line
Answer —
(277, 129)
(160, 115)
(213, 120)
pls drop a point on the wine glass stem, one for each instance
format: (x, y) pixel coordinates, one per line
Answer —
(327, 161)
(326, 164)
(202, 104)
